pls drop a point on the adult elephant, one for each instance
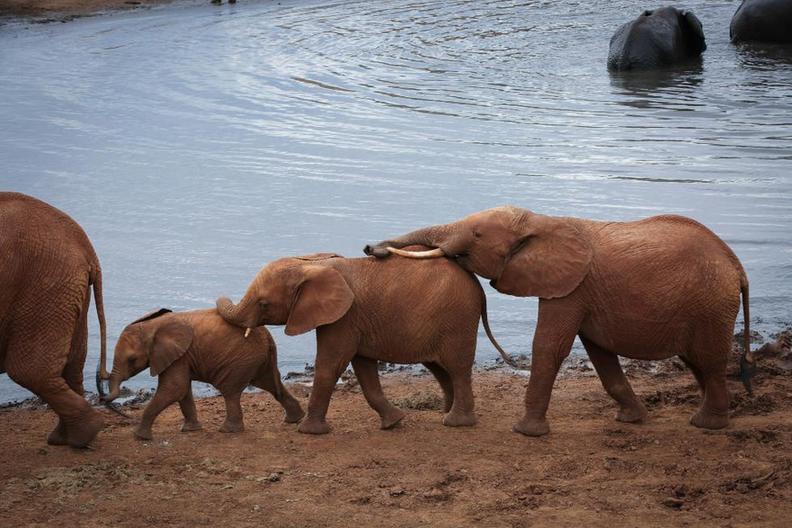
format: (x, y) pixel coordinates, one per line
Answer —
(658, 38)
(47, 267)
(649, 289)
(762, 21)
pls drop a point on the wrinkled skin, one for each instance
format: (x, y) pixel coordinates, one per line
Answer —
(47, 268)
(651, 289)
(659, 38)
(365, 311)
(762, 21)
(198, 345)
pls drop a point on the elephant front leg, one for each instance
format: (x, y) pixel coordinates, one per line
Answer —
(367, 375)
(233, 422)
(334, 352)
(555, 332)
(187, 406)
(631, 410)
(170, 389)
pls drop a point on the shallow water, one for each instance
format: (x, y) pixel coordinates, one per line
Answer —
(195, 143)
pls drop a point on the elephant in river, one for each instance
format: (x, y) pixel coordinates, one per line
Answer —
(659, 38)
(47, 268)
(365, 311)
(197, 345)
(762, 21)
(650, 289)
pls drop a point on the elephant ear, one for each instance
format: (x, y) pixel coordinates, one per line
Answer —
(549, 261)
(323, 297)
(170, 342)
(695, 31)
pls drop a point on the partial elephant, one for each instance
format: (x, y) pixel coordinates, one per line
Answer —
(651, 289)
(762, 21)
(47, 268)
(364, 311)
(658, 38)
(197, 345)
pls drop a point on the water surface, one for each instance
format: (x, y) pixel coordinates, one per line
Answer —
(195, 143)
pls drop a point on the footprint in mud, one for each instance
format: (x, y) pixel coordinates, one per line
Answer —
(744, 404)
(763, 436)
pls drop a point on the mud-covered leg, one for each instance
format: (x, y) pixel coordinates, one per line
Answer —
(461, 413)
(368, 377)
(445, 384)
(233, 422)
(270, 381)
(188, 410)
(615, 383)
(710, 370)
(335, 348)
(556, 329)
(173, 385)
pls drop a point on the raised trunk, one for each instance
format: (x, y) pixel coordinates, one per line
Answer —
(243, 314)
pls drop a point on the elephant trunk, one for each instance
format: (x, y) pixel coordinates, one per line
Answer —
(241, 314)
(426, 236)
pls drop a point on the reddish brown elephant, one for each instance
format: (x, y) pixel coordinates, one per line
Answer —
(651, 289)
(47, 268)
(197, 345)
(364, 311)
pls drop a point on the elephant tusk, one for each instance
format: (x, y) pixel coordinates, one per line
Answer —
(247, 332)
(431, 253)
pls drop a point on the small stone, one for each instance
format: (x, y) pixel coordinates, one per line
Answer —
(273, 477)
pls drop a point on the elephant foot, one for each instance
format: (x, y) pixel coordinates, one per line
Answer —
(391, 418)
(294, 413)
(634, 414)
(142, 434)
(459, 419)
(709, 420)
(191, 426)
(83, 432)
(232, 427)
(314, 426)
(58, 435)
(532, 427)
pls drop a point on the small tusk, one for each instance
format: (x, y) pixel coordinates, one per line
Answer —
(431, 253)
(247, 332)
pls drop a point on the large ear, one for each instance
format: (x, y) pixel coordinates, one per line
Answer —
(322, 298)
(695, 31)
(549, 261)
(170, 342)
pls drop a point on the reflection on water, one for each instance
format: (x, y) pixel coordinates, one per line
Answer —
(196, 143)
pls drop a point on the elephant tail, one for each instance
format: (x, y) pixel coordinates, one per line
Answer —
(747, 359)
(96, 280)
(485, 321)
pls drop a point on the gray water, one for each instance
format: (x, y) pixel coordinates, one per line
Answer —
(196, 143)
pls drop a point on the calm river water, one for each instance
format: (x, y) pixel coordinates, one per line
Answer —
(195, 143)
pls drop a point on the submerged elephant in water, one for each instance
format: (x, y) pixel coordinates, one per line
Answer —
(47, 268)
(658, 38)
(650, 289)
(365, 310)
(762, 21)
(197, 345)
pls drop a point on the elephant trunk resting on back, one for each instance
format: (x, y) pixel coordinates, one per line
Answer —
(364, 311)
(649, 289)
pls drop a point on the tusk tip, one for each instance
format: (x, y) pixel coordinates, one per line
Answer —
(247, 332)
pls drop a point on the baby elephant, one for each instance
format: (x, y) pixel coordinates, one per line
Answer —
(366, 310)
(197, 345)
(663, 37)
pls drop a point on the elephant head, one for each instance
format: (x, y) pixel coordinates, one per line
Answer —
(523, 253)
(302, 293)
(152, 341)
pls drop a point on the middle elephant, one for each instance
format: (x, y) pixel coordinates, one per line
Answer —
(365, 310)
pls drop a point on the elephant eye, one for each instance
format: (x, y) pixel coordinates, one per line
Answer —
(476, 234)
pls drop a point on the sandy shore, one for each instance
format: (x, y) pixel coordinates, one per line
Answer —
(590, 470)
(63, 10)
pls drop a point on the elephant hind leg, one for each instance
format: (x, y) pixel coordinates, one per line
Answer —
(708, 364)
(368, 377)
(615, 383)
(269, 379)
(445, 384)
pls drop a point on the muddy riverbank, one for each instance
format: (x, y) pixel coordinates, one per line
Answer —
(589, 470)
(65, 10)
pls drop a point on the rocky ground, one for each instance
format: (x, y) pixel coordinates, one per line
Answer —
(590, 470)
(65, 10)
